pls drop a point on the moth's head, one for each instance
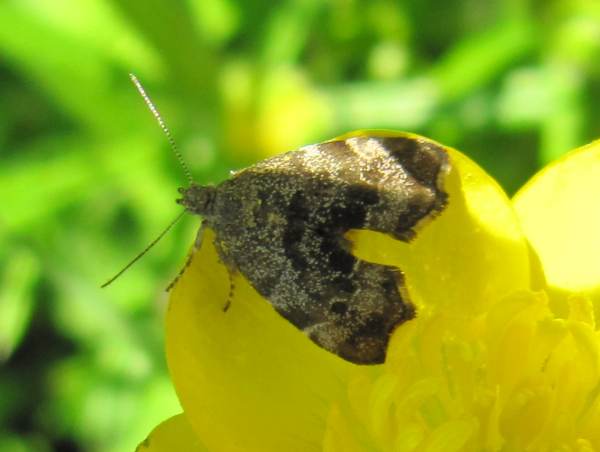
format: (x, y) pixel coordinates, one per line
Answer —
(197, 199)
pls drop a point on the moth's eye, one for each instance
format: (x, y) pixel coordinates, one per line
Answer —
(339, 308)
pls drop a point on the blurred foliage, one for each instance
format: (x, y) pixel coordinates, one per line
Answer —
(87, 178)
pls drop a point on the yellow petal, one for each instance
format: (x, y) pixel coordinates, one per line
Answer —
(471, 255)
(340, 436)
(451, 436)
(247, 379)
(559, 212)
(174, 434)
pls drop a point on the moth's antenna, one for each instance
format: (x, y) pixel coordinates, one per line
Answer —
(138, 257)
(163, 126)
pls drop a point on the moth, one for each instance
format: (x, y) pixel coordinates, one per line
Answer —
(281, 224)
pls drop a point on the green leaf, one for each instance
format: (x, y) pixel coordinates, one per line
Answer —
(17, 298)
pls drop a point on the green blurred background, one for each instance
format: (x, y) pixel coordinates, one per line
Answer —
(87, 178)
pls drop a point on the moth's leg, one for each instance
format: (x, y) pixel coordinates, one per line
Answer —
(192, 253)
(231, 275)
(231, 272)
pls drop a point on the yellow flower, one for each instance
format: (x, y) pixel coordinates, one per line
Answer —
(503, 355)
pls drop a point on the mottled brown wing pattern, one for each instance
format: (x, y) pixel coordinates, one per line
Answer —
(281, 224)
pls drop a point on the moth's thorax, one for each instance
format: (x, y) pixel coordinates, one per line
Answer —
(198, 199)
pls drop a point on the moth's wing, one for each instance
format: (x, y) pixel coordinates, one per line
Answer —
(391, 183)
(357, 325)
(346, 305)
(416, 196)
(387, 184)
(282, 224)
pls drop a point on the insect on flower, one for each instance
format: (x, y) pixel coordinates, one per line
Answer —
(281, 223)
